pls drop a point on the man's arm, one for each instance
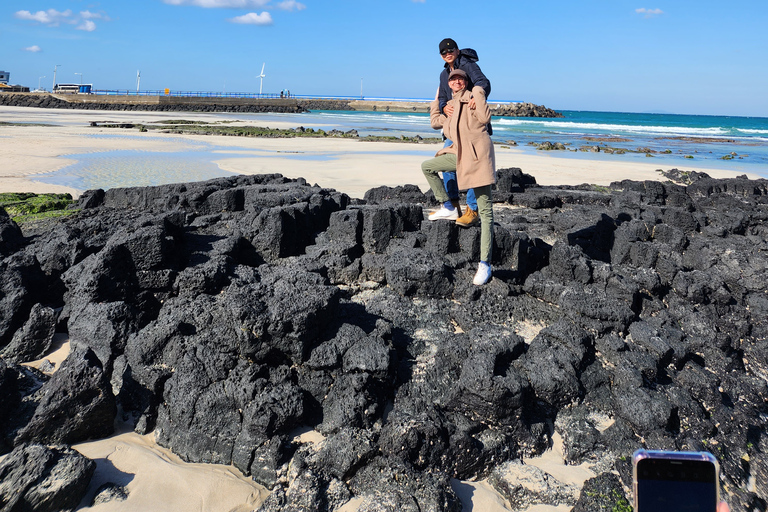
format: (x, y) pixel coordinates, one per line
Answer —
(482, 112)
(476, 75)
(444, 92)
(436, 117)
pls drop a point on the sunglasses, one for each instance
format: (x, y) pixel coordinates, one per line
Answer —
(446, 52)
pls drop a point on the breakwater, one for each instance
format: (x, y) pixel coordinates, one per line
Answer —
(255, 105)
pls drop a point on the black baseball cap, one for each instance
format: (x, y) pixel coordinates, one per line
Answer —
(448, 44)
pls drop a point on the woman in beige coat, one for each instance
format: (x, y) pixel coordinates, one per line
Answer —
(471, 155)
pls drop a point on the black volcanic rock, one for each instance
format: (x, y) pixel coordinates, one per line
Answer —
(40, 478)
(225, 315)
(11, 238)
(603, 493)
(21, 287)
(395, 195)
(34, 339)
(79, 385)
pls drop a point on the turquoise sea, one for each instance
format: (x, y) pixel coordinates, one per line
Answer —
(673, 139)
(685, 142)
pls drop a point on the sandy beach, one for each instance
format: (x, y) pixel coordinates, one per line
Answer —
(41, 141)
(153, 476)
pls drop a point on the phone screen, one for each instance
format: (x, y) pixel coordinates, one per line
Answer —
(670, 485)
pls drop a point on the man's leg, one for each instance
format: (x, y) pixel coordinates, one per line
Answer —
(449, 179)
(471, 199)
(485, 211)
(451, 185)
(470, 216)
(432, 169)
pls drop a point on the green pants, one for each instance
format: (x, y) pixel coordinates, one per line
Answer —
(432, 169)
(447, 162)
(485, 210)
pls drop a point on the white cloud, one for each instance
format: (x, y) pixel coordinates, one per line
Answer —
(213, 4)
(87, 25)
(290, 5)
(51, 17)
(649, 13)
(54, 18)
(285, 5)
(88, 15)
(253, 19)
(33, 49)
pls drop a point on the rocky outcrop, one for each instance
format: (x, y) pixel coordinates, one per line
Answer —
(43, 479)
(10, 235)
(224, 315)
(522, 110)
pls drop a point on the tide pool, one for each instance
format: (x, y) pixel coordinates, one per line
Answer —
(132, 168)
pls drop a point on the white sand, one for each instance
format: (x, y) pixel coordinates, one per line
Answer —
(156, 479)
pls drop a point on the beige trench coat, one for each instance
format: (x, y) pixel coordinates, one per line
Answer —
(468, 129)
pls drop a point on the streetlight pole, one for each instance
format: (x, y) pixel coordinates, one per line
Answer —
(54, 77)
(361, 88)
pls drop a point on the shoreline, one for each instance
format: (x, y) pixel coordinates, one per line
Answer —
(48, 140)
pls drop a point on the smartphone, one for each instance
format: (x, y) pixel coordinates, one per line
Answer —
(666, 481)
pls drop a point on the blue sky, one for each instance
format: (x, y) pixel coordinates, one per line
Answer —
(675, 56)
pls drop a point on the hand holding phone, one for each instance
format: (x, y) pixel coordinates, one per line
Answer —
(667, 481)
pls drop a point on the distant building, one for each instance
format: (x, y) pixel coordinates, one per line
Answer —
(5, 76)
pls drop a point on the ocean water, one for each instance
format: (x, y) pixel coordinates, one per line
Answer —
(686, 140)
(735, 143)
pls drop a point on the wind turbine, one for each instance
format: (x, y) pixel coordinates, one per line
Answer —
(261, 76)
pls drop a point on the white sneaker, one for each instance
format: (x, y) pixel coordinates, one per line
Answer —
(483, 274)
(444, 214)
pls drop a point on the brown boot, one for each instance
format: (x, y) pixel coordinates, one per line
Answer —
(455, 203)
(470, 218)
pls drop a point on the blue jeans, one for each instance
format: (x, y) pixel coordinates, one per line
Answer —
(452, 186)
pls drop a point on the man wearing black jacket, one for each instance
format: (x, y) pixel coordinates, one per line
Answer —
(466, 60)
